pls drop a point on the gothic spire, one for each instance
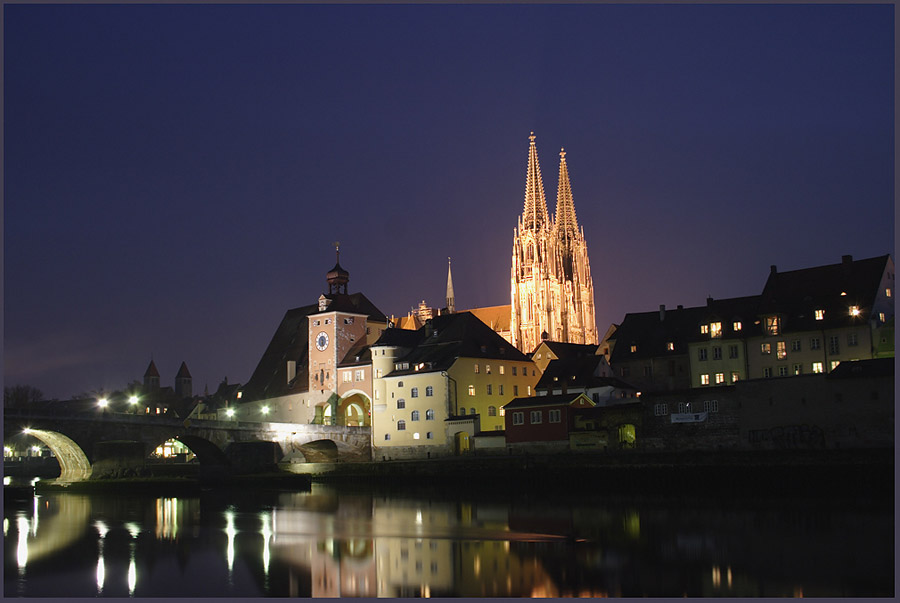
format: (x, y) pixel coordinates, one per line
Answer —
(565, 220)
(534, 216)
(451, 299)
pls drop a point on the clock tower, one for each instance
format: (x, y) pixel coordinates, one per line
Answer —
(336, 328)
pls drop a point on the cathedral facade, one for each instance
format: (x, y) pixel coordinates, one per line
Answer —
(552, 293)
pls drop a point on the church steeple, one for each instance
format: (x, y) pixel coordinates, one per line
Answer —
(451, 299)
(534, 216)
(337, 277)
(565, 221)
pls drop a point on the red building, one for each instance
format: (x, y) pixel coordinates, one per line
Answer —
(542, 418)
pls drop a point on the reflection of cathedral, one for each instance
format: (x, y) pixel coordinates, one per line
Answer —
(552, 292)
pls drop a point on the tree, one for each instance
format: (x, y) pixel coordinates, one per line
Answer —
(21, 395)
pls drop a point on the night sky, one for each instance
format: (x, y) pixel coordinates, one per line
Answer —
(175, 176)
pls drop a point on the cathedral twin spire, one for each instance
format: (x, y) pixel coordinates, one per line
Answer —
(552, 292)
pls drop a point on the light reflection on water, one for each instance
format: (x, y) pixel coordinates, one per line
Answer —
(329, 544)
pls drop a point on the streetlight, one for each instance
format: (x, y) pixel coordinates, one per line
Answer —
(229, 412)
(265, 410)
(103, 403)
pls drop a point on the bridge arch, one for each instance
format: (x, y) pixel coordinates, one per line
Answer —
(74, 465)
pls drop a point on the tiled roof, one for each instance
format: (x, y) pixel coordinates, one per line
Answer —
(571, 350)
(541, 401)
(877, 367)
(452, 336)
(183, 372)
(577, 372)
(353, 303)
(151, 370)
(496, 317)
(650, 333)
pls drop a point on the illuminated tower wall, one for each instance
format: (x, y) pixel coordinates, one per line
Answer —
(552, 294)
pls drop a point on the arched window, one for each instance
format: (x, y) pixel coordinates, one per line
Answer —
(492, 411)
(401, 425)
(401, 403)
(429, 391)
(429, 415)
(414, 416)
(415, 392)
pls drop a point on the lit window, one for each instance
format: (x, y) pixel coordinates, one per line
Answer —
(798, 369)
(765, 348)
(414, 415)
(502, 412)
(854, 311)
(720, 378)
(346, 376)
(487, 369)
(471, 390)
(416, 436)
(670, 346)
(834, 364)
(378, 373)
(704, 329)
(401, 425)
(817, 367)
(476, 368)
(881, 316)
(820, 314)
(429, 415)
(633, 348)
(529, 390)
(704, 379)
(536, 417)
(501, 369)
(773, 325)
(887, 292)
(736, 325)
(715, 329)
(781, 350)
(429, 391)
(360, 374)
(555, 416)
(735, 376)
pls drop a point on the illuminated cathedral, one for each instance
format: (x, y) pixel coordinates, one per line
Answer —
(552, 292)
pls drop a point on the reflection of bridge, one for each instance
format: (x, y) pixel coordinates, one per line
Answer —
(86, 442)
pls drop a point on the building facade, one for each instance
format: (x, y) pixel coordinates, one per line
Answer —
(552, 294)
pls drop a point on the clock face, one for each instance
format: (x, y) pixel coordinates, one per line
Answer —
(322, 341)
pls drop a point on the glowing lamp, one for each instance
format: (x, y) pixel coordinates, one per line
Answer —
(854, 310)
(133, 400)
(229, 412)
(102, 402)
(265, 410)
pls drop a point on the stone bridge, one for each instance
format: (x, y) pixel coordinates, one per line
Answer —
(97, 444)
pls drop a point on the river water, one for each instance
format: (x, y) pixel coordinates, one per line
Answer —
(332, 542)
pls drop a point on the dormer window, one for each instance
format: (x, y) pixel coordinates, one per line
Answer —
(633, 348)
(736, 326)
(715, 329)
(773, 325)
(704, 329)
(323, 303)
(819, 314)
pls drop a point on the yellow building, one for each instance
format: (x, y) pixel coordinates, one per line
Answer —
(436, 387)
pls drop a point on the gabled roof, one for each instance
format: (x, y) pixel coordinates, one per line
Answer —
(360, 353)
(796, 294)
(577, 372)
(744, 310)
(496, 317)
(151, 370)
(650, 332)
(543, 401)
(570, 350)
(453, 336)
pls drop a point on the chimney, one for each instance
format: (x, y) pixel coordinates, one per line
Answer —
(680, 307)
(662, 312)
(429, 328)
(846, 259)
(773, 269)
(709, 301)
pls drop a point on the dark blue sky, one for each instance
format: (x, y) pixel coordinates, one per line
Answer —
(175, 175)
